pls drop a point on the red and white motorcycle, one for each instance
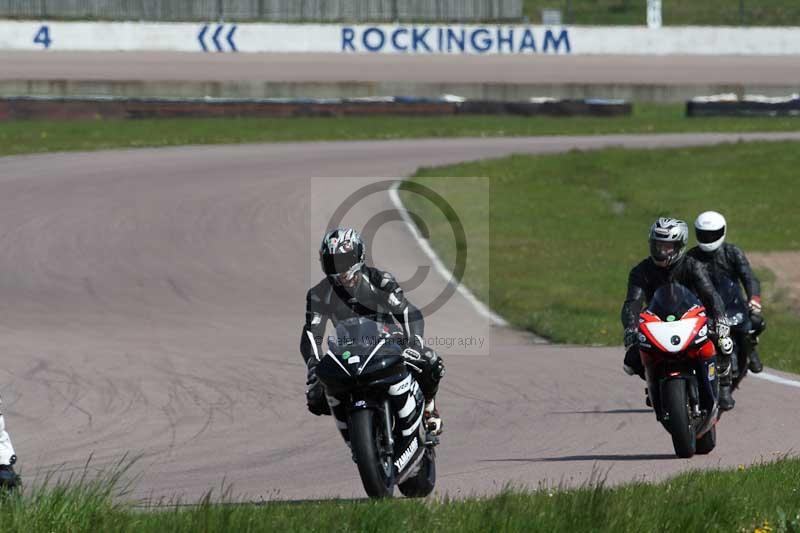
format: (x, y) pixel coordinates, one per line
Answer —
(680, 366)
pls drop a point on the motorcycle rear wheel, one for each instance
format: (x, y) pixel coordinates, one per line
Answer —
(365, 435)
(676, 402)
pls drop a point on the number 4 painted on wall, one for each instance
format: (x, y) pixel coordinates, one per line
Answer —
(43, 37)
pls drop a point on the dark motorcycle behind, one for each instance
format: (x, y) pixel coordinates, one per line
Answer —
(366, 377)
(738, 318)
(680, 366)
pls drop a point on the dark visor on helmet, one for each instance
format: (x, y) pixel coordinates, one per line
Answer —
(706, 236)
(339, 263)
(663, 250)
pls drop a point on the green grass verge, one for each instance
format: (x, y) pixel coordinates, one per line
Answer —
(674, 12)
(729, 500)
(566, 229)
(21, 137)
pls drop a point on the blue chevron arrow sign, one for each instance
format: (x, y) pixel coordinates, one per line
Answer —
(218, 45)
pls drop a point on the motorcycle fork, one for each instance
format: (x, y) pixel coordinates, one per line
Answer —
(694, 396)
(387, 421)
(707, 382)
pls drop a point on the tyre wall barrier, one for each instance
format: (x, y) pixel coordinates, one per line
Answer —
(21, 108)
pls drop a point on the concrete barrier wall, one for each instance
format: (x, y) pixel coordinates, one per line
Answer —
(396, 39)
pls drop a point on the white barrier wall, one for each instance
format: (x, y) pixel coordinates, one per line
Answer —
(397, 39)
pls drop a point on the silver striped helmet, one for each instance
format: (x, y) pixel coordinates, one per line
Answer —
(341, 255)
(668, 239)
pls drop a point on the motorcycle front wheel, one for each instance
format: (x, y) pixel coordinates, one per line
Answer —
(377, 472)
(424, 481)
(675, 402)
(707, 442)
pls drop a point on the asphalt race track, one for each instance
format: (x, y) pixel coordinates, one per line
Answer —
(152, 301)
(735, 71)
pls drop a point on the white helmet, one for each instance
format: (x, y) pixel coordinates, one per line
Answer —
(710, 229)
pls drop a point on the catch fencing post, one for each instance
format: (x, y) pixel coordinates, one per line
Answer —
(654, 14)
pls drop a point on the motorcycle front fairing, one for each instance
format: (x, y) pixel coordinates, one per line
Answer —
(674, 344)
(736, 311)
(366, 370)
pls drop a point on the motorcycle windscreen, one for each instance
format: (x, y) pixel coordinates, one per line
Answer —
(358, 335)
(731, 294)
(672, 301)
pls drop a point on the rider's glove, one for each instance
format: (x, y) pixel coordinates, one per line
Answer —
(724, 341)
(755, 305)
(316, 401)
(723, 330)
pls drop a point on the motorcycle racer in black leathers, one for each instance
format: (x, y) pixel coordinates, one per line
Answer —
(722, 258)
(668, 263)
(351, 289)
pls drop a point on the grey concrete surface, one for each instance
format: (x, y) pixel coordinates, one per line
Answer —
(510, 69)
(152, 302)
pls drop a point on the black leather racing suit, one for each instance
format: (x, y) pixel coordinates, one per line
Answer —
(646, 278)
(729, 260)
(377, 296)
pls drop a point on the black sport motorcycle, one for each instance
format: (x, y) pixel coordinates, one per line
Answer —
(680, 366)
(367, 380)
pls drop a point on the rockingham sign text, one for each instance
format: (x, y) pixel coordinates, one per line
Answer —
(420, 39)
(454, 40)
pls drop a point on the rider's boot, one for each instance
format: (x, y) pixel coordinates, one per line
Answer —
(724, 371)
(8, 478)
(726, 401)
(755, 365)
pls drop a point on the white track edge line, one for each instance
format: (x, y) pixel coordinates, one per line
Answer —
(479, 306)
(776, 379)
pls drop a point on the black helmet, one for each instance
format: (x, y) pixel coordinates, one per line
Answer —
(668, 238)
(341, 255)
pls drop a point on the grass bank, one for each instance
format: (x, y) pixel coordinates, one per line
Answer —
(564, 230)
(742, 499)
(22, 137)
